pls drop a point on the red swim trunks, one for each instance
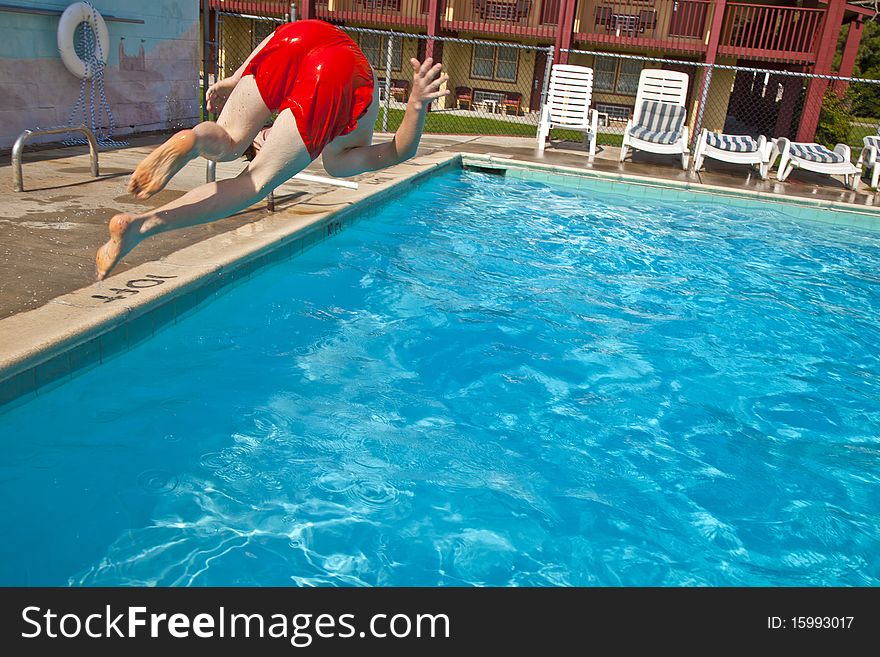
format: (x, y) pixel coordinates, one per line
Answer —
(317, 71)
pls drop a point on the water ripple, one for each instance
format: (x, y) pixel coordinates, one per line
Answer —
(486, 383)
(157, 481)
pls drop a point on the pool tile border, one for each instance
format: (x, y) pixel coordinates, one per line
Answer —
(795, 207)
(43, 348)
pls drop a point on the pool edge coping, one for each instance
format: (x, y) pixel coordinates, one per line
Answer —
(495, 160)
(44, 347)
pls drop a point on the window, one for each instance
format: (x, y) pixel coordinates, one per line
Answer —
(494, 63)
(614, 112)
(375, 49)
(604, 72)
(616, 75)
(501, 11)
(628, 76)
(390, 5)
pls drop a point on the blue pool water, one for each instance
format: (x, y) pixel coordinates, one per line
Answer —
(484, 382)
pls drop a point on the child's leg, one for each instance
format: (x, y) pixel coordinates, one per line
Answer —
(283, 155)
(243, 116)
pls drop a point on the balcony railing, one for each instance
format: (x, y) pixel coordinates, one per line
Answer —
(760, 31)
(766, 31)
(676, 25)
(523, 18)
(263, 8)
(375, 13)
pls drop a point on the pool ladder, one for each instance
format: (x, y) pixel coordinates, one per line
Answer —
(18, 148)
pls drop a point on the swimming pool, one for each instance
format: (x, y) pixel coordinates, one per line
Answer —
(483, 382)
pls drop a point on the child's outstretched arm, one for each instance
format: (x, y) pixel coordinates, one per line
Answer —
(342, 159)
(219, 91)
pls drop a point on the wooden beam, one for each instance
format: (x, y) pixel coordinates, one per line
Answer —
(850, 51)
(824, 59)
(435, 9)
(715, 30)
(564, 29)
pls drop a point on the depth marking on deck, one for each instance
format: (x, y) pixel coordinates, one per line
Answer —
(134, 286)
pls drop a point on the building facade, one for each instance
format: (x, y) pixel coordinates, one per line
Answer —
(798, 35)
(150, 80)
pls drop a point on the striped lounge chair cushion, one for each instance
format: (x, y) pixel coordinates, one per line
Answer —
(815, 153)
(732, 143)
(659, 123)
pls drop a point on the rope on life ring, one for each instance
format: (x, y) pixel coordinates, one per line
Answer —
(97, 40)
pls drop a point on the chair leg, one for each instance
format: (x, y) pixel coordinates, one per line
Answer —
(685, 157)
(788, 169)
(623, 152)
(875, 175)
(542, 139)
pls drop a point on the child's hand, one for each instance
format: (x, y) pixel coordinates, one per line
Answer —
(426, 83)
(218, 93)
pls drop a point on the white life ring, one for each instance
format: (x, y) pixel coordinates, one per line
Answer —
(82, 12)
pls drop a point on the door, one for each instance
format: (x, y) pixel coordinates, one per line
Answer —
(537, 81)
(688, 19)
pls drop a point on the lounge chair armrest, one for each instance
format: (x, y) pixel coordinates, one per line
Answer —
(779, 149)
(701, 143)
(782, 146)
(765, 148)
(684, 138)
(594, 121)
(844, 150)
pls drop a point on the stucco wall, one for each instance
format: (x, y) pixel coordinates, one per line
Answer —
(718, 96)
(151, 78)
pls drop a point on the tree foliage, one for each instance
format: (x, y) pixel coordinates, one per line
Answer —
(835, 121)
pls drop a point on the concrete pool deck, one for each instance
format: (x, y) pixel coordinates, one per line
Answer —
(55, 319)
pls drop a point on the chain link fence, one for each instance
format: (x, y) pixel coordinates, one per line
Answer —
(495, 88)
(739, 100)
(498, 88)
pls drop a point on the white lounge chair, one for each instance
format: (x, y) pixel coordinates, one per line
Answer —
(568, 104)
(870, 157)
(815, 157)
(736, 149)
(658, 121)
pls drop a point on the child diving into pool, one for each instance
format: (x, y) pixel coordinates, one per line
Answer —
(326, 96)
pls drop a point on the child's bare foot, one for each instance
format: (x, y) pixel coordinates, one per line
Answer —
(159, 166)
(123, 238)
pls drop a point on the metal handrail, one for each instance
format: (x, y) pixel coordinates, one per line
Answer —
(18, 147)
(211, 176)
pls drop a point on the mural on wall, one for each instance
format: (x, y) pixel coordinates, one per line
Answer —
(151, 77)
(131, 62)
